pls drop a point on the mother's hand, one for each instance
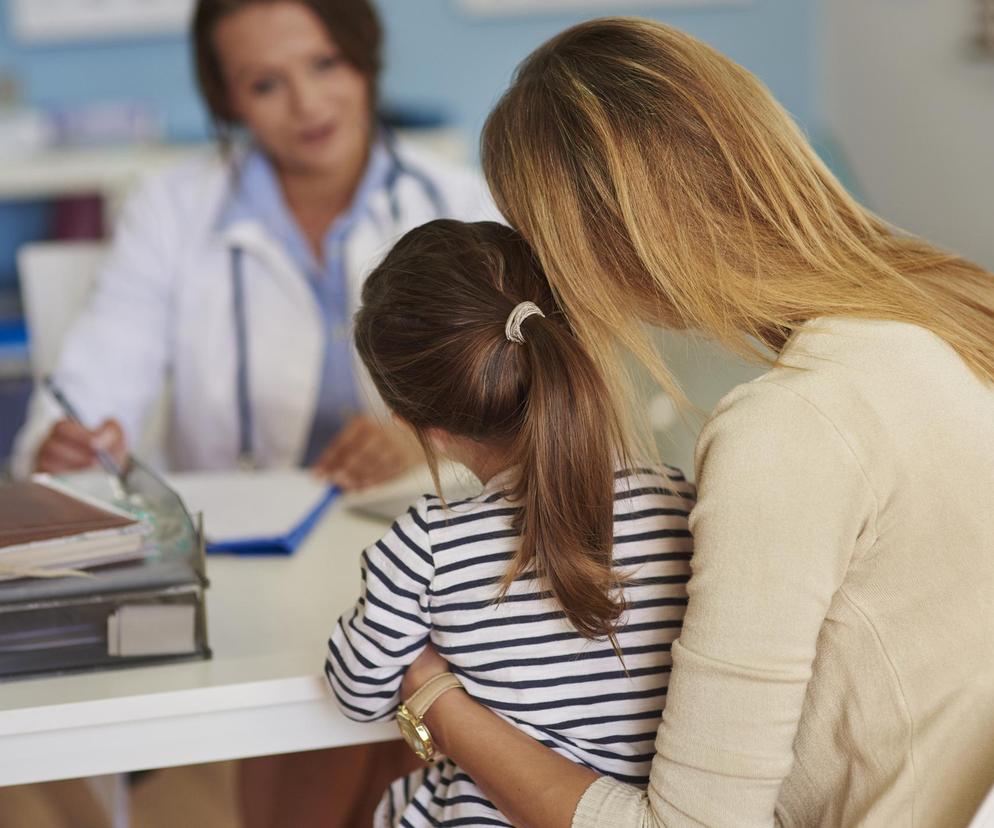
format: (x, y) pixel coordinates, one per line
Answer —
(533, 786)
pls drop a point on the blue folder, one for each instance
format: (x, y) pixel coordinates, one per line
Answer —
(278, 545)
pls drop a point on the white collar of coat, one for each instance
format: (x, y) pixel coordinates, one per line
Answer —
(251, 236)
(377, 178)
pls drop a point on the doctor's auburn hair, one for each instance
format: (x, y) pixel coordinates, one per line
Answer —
(431, 331)
(353, 25)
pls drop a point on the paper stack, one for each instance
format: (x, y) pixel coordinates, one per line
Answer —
(46, 531)
(88, 582)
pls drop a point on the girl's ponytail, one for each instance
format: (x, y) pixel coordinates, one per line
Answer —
(567, 450)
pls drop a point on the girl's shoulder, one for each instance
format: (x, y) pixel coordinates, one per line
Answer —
(488, 511)
(657, 482)
(431, 519)
(404, 551)
(491, 513)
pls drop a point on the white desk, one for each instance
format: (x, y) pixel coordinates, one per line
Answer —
(263, 692)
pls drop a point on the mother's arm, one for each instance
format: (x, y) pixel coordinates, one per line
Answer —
(783, 503)
(534, 787)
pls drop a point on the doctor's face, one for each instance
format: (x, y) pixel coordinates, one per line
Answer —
(290, 85)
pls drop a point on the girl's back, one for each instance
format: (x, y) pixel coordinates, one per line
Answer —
(532, 590)
(437, 574)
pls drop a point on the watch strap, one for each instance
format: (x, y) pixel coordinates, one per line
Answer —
(429, 692)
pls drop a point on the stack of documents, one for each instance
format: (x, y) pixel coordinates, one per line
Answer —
(46, 529)
(89, 581)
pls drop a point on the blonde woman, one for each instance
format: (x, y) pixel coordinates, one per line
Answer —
(836, 666)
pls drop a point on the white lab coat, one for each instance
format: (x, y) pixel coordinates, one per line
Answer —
(163, 308)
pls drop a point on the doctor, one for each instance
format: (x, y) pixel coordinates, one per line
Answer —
(236, 276)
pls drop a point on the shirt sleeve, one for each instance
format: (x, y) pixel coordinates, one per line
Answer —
(782, 505)
(115, 356)
(375, 641)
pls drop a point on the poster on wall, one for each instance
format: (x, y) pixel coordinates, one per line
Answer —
(52, 20)
(525, 7)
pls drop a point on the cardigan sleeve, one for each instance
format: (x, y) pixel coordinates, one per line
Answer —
(783, 503)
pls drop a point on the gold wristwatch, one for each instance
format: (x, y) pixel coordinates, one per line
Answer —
(410, 714)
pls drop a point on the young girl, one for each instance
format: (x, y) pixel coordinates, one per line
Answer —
(555, 594)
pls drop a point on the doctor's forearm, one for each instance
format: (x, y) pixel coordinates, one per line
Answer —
(533, 786)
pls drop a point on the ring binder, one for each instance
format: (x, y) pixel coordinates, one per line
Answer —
(144, 611)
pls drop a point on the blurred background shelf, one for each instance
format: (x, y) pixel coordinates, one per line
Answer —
(105, 171)
(110, 172)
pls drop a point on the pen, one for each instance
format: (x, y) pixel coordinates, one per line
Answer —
(109, 463)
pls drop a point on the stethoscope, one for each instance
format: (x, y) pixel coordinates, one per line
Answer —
(398, 169)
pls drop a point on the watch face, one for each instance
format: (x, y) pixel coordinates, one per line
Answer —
(410, 733)
(415, 734)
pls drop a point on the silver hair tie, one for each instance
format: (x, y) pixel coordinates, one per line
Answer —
(512, 329)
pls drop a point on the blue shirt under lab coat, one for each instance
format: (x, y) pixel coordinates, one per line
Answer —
(258, 195)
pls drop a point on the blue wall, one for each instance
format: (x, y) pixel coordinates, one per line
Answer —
(437, 54)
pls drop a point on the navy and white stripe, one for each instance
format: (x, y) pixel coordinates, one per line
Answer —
(436, 574)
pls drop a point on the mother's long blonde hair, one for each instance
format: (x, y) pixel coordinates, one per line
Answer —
(661, 183)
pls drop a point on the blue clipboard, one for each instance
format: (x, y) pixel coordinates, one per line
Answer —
(278, 545)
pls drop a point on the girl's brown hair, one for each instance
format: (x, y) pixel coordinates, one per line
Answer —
(353, 25)
(659, 182)
(431, 331)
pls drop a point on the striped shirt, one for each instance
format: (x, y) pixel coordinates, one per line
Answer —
(435, 576)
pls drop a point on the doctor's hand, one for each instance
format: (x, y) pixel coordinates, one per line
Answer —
(367, 452)
(71, 447)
